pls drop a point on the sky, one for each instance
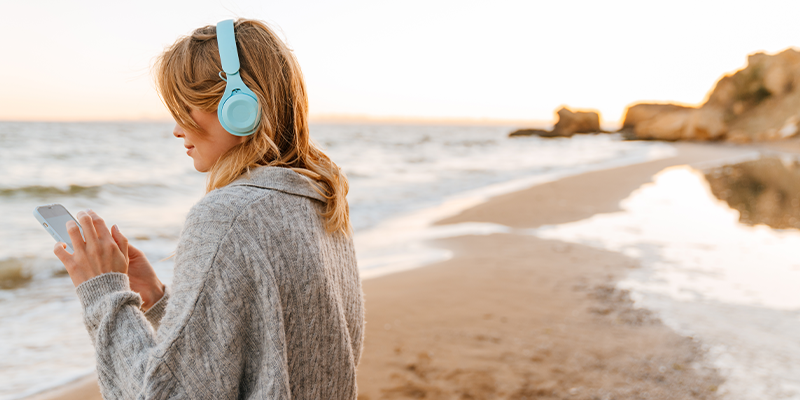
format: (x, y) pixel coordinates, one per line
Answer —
(448, 60)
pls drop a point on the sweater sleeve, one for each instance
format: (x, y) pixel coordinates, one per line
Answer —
(201, 348)
(123, 341)
(156, 312)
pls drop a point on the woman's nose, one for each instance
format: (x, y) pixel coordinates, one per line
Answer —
(178, 132)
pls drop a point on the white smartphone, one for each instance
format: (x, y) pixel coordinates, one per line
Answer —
(54, 217)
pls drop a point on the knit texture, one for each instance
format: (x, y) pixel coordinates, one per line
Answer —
(264, 304)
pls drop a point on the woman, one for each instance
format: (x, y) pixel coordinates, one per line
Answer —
(266, 300)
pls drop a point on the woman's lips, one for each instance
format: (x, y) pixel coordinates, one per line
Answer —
(189, 151)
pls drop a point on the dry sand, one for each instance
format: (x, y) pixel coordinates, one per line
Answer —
(516, 317)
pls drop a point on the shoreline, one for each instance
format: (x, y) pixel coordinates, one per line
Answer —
(393, 240)
(82, 388)
(562, 200)
(547, 293)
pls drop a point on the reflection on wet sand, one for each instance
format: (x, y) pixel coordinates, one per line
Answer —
(707, 275)
(764, 191)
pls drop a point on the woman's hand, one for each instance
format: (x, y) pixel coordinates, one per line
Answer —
(142, 275)
(96, 257)
(100, 253)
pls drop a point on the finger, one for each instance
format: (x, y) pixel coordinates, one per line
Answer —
(122, 241)
(133, 251)
(61, 252)
(100, 226)
(88, 227)
(75, 236)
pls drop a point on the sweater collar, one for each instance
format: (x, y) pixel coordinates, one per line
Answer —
(281, 179)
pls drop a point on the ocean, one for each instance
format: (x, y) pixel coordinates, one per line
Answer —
(137, 175)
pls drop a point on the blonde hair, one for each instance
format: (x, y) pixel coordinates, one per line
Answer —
(187, 77)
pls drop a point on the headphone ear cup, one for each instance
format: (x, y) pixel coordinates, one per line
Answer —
(239, 114)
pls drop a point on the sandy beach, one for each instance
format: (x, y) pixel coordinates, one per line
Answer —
(514, 316)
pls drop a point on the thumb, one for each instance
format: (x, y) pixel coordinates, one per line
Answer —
(60, 250)
(122, 241)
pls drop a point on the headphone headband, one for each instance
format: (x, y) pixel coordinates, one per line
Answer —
(226, 41)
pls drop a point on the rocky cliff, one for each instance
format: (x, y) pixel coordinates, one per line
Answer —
(759, 102)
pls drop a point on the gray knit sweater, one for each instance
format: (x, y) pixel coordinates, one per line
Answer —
(264, 304)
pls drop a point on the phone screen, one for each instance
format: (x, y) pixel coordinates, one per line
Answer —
(57, 216)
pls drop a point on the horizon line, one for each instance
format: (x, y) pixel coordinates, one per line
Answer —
(330, 119)
(346, 119)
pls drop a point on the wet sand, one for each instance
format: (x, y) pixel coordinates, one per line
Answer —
(517, 317)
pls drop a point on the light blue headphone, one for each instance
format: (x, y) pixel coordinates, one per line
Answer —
(238, 111)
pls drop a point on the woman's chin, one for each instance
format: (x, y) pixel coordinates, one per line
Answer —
(200, 166)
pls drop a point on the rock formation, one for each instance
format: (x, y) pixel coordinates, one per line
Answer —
(531, 132)
(641, 112)
(572, 122)
(759, 102)
(704, 123)
(569, 123)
